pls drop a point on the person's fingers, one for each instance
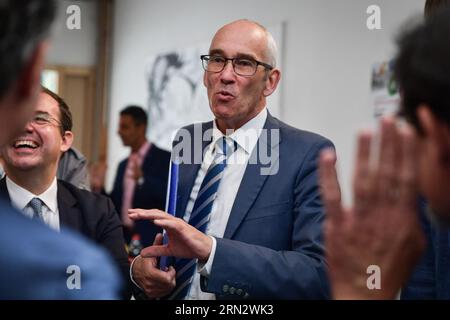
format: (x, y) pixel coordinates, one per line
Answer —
(173, 225)
(173, 275)
(408, 167)
(158, 239)
(387, 175)
(155, 251)
(162, 278)
(329, 184)
(362, 179)
(152, 214)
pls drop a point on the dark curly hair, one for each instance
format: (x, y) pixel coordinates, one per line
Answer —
(423, 68)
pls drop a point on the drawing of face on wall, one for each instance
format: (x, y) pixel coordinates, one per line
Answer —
(177, 96)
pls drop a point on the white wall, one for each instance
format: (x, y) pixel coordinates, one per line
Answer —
(75, 47)
(328, 54)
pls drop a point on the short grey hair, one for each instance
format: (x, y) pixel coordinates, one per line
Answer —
(271, 47)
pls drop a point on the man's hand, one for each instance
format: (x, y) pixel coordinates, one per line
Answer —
(156, 283)
(382, 227)
(185, 241)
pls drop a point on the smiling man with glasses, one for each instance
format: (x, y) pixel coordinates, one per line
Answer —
(31, 162)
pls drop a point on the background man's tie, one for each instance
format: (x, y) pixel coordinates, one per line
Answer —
(201, 212)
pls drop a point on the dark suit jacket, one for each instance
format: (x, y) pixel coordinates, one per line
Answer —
(94, 216)
(272, 246)
(431, 278)
(151, 194)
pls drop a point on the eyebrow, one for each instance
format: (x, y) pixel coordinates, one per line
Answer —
(239, 55)
(42, 112)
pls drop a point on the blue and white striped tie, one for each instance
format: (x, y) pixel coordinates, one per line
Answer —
(201, 212)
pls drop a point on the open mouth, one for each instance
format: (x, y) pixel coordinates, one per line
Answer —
(25, 144)
(225, 95)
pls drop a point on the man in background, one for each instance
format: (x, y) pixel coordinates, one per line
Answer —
(141, 179)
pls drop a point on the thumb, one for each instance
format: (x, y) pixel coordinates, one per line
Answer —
(158, 239)
(155, 251)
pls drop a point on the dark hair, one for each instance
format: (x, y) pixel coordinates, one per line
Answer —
(423, 68)
(137, 113)
(23, 23)
(65, 114)
(431, 6)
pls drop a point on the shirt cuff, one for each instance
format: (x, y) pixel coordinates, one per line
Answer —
(205, 268)
(131, 273)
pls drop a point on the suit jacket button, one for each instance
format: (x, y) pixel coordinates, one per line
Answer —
(225, 288)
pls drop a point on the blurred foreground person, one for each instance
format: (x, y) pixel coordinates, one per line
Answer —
(380, 235)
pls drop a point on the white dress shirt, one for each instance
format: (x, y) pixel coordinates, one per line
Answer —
(246, 138)
(20, 198)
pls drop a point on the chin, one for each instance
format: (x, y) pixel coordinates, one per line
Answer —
(222, 112)
(24, 164)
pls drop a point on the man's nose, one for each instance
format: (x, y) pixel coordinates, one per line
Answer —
(29, 126)
(228, 75)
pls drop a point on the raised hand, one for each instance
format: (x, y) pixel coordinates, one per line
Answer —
(381, 228)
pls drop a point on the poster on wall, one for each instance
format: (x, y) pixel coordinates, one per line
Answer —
(384, 94)
(176, 94)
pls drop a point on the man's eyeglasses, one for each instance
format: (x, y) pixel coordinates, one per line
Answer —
(242, 66)
(44, 119)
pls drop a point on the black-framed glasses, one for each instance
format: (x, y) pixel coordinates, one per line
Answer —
(242, 66)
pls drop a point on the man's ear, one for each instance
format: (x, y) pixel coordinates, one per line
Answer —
(204, 79)
(30, 78)
(67, 140)
(436, 132)
(273, 78)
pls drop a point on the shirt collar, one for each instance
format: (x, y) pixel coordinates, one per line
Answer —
(143, 149)
(20, 197)
(246, 136)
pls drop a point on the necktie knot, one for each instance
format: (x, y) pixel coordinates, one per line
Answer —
(225, 146)
(36, 205)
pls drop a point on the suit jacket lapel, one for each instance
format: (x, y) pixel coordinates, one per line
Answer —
(188, 172)
(69, 214)
(251, 183)
(4, 191)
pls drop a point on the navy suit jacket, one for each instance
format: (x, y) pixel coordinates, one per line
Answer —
(34, 262)
(150, 195)
(272, 246)
(431, 278)
(94, 216)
